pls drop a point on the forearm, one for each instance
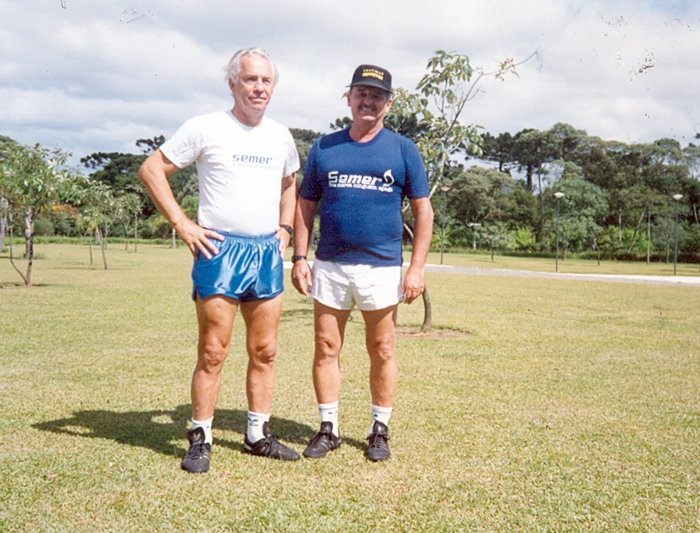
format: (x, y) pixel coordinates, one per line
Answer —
(303, 226)
(422, 231)
(288, 200)
(154, 175)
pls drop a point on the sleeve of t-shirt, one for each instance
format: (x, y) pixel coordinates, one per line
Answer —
(183, 148)
(416, 178)
(291, 163)
(311, 188)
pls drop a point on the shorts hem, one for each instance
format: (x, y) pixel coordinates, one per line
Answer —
(333, 305)
(354, 304)
(203, 295)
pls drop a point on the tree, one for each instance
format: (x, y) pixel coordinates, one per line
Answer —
(498, 237)
(5, 143)
(433, 117)
(149, 146)
(127, 211)
(533, 149)
(98, 209)
(583, 208)
(303, 139)
(33, 178)
(499, 149)
(480, 195)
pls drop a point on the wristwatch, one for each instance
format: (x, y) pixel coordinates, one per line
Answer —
(287, 227)
(296, 258)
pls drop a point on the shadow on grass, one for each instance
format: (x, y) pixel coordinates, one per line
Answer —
(290, 315)
(165, 431)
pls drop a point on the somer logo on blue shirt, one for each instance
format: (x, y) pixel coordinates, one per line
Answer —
(358, 181)
(251, 159)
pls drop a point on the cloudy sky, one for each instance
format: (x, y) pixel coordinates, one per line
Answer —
(88, 76)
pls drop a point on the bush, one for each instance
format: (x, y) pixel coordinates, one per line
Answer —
(43, 227)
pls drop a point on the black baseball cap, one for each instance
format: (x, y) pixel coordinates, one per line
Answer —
(372, 76)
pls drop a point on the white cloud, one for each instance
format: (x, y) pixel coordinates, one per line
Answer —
(98, 76)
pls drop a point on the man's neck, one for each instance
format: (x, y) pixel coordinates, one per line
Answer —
(362, 133)
(246, 118)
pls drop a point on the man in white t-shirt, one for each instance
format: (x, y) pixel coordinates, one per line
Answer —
(247, 166)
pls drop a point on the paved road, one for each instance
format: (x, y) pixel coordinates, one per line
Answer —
(689, 281)
(613, 278)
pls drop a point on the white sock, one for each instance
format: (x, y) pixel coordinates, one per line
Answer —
(380, 414)
(206, 426)
(329, 413)
(255, 426)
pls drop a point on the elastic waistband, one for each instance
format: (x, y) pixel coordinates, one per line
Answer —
(251, 238)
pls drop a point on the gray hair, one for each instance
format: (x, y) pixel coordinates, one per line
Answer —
(233, 67)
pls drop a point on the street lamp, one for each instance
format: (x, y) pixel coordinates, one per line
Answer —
(558, 196)
(444, 190)
(677, 198)
(473, 225)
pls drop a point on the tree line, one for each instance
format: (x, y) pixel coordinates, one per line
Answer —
(492, 192)
(619, 200)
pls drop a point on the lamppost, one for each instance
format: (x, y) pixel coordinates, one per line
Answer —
(677, 198)
(558, 196)
(444, 190)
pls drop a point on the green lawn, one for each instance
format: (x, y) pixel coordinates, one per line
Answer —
(568, 406)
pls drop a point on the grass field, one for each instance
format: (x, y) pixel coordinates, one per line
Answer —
(566, 406)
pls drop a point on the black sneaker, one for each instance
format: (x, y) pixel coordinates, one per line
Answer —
(323, 442)
(378, 449)
(197, 457)
(269, 446)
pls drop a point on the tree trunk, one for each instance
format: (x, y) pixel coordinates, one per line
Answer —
(619, 226)
(136, 232)
(27, 282)
(28, 232)
(428, 312)
(636, 230)
(3, 223)
(649, 237)
(173, 244)
(103, 239)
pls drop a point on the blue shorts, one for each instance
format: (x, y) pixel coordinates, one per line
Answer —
(246, 269)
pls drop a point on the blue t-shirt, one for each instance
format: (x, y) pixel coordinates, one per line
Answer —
(360, 187)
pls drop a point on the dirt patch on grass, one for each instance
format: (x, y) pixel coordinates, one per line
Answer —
(406, 332)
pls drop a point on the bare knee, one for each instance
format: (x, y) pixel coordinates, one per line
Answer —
(263, 352)
(326, 348)
(381, 351)
(212, 355)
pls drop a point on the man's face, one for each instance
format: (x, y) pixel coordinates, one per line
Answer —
(253, 89)
(368, 104)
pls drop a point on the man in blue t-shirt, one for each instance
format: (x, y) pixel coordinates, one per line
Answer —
(359, 178)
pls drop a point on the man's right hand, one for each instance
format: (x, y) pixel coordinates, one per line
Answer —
(198, 238)
(301, 276)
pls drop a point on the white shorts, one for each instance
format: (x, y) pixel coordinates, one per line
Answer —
(370, 287)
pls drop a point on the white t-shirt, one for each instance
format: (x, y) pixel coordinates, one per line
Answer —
(240, 170)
